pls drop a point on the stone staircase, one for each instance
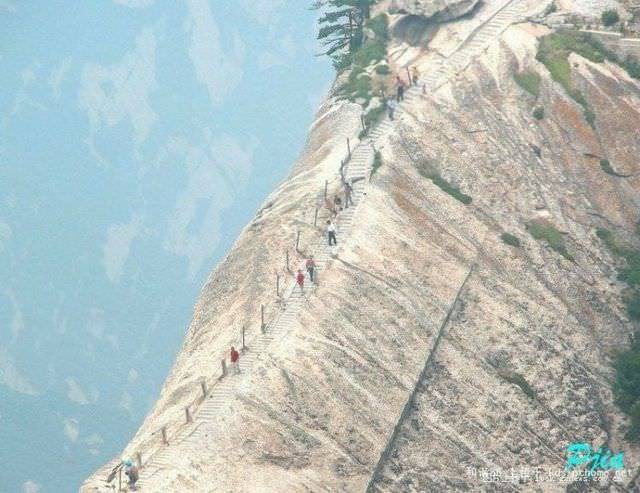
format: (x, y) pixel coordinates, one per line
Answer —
(357, 168)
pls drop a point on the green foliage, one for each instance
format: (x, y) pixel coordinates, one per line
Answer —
(552, 8)
(538, 113)
(626, 387)
(520, 381)
(380, 27)
(529, 81)
(610, 17)
(377, 162)
(606, 167)
(383, 69)
(510, 240)
(341, 27)
(447, 187)
(630, 272)
(553, 52)
(632, 67)
(551, 236)
(358, 85)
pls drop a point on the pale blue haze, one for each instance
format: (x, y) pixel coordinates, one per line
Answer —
(137, 138)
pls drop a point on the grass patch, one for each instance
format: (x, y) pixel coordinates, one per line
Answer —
(609, 17)
(520, 381)
(551, 236)
(553, 52)
(447, 187)
(529, 81)
(377, 162)
(538, 113)
(511, 240)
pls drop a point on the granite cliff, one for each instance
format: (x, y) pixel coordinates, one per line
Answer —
(466, 320)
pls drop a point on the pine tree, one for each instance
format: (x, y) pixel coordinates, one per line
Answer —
(341, 26)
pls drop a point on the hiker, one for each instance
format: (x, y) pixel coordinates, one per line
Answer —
(132, 473)
(331, 231)
(331, 207)
(400, 89)
(415, 75)
(337, 202)
(311, 267)
(235, 360)
(300, 280)
(391, 107)
(348, 190)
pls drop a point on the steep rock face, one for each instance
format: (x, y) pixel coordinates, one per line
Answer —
(398, 373)
(525, 311)
(434, 10)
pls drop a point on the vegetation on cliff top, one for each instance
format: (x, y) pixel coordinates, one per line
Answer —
(626, 387)
(554, 50)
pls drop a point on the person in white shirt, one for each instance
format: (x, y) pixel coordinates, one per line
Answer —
(331, 231)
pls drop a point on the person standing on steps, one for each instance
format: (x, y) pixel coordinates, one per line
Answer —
(330, 206)
(399, 88)
(311, 267)
(348, 190)
(391, 107)
(235, 360)
(331, 232)
(300, 280)
(337, 202)
(132, 473)
(415, 75)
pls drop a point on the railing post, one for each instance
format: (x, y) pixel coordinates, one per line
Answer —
(409, 76)
(243, 346)
(287, 260)
(298, 241)
(262, 318)
(315, 218)
(348, 148)
(364, 127)
(164, 436)
(326, 186)
(203, 386)
(224, 368)
(120, 480)
(187, 414)
(384, 97)
(277, 288)
(139, 459)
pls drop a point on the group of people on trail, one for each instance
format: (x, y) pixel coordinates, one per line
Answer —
(392, 103)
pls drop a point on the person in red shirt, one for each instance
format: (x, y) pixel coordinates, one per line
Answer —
(300, 280)
(311, 267)
(235, 360)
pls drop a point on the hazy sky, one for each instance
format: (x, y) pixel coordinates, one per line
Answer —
(137, 137)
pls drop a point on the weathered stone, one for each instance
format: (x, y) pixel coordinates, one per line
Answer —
(435, 10)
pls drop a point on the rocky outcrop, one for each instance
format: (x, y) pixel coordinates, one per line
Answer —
(433, 10)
